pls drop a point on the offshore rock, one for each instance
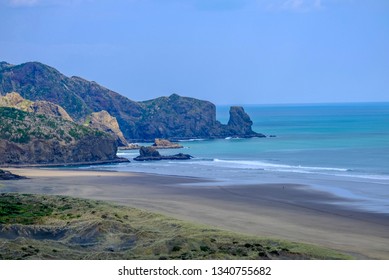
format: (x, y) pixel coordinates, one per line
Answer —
(240, 123)
(150, 153)
(165, 144)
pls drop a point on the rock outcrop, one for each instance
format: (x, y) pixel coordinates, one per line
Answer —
(30, 139)
(165, 144)
(6, 175)
(240, 123)
(177, 118)
(131, 146)
(173, 117)
(14, 100)
(50, 109)
(150, 153)
(105, 122)
(98, 120)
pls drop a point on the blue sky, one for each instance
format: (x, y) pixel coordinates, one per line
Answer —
(225, 51)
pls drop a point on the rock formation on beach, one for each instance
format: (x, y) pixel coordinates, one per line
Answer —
(165, 144)
(28, 139)
(150, 153)
(173, 117)
(6, 175)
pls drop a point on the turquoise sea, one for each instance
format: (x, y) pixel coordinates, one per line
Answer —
(338, 148)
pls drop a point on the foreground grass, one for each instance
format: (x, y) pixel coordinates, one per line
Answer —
(59, 227)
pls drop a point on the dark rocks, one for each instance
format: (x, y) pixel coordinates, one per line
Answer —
(150, 153)
(240, 123)
(178, 118)
(88, 150)
(6, 175)
(31, 139)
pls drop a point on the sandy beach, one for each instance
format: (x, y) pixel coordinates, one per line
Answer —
(284, 211)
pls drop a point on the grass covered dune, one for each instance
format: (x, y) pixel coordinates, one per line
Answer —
(62, 227)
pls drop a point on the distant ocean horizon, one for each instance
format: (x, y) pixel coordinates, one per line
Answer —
(341, 148)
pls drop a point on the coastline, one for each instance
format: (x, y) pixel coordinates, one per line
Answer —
(285, 211)
(88, 163)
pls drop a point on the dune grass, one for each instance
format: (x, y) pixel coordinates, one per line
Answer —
(60, 227)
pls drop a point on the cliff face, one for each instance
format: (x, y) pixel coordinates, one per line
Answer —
(14, 100)
(105, 122)
(28, 138)
(240, 123)
(177, 117)
(172, 117)
(35, 81)
(99, 120)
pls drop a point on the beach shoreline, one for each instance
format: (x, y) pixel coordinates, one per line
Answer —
(292, 212)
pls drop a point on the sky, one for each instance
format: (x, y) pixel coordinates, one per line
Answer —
(225, 51)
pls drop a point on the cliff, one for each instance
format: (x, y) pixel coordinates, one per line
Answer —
(105, 122)
(99, 120)
(14, 100)
(172, 117)
(28, 139)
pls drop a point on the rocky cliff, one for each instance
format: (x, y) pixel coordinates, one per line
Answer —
(172, 117)
(14, 100)
(239, 124)
(105, 122)
(98, 120)
(28, 138)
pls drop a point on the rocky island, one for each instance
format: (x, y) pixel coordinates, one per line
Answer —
(150, 153)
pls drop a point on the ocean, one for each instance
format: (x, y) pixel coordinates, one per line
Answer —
(342, 149)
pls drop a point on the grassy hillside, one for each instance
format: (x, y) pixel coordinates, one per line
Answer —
(59, 227)
(21, 127)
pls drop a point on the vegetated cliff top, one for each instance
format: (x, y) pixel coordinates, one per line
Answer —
(21, 127)
(14, 100)
(34, 139)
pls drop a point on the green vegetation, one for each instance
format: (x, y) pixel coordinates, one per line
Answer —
(31, 211)
(21, 127)
(59, 227)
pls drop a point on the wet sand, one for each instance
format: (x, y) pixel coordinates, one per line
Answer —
(285, 211)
